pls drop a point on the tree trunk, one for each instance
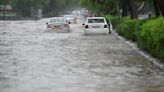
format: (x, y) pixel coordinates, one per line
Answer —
(157, 11)
(159, 7)
(129, 5)
(124, 8)
(132, 9)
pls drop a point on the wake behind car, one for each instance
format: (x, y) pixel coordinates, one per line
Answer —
(96, 25)
(58, 24)
(70, 18)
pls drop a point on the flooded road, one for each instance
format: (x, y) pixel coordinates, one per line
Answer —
(32, 60)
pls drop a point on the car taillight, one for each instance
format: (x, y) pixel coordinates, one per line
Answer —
(48, 26)
(105, 26)
(86, 26)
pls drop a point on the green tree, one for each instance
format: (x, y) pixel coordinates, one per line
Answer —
(52, 7)
(24, 6)
(159, 7)
(56, 6)
(127, 6)
(2, 2)
(101, 6)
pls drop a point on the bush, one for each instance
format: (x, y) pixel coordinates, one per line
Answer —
(148, 33)
(114, 20)
(129, 29)
(152, 37)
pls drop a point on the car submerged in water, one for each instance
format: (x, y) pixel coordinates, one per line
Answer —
(96, 25)
(58, 24)
(71, 19)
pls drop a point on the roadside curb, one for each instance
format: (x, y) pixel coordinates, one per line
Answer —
(134, 46)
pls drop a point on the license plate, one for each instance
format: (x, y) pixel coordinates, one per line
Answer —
(95, 26)
(57, 27)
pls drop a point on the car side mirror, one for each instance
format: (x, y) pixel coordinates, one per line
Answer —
(46, 23)
(83, 24)
(69, 22)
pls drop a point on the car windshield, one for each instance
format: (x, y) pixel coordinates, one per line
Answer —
(57, 20)
(95, 20)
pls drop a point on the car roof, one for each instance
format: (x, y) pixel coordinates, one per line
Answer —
(95, 18)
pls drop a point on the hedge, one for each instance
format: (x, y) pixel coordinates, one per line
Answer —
(148, 33)
(115, 20)
(129, 29)
(152, 37)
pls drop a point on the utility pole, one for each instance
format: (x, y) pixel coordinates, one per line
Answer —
(4, 11)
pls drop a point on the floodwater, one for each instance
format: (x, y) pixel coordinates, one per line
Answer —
(32, 60)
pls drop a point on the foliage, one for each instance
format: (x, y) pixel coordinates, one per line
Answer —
(122, 7)
(2, 2)
(129, 29)
(148, 33)
(115, 20)
(50, 7)
(30, 3)
(152, 37)
(55, 6)
(101, 6)
(24, 6)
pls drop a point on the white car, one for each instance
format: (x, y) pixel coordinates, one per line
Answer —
(96, 25)
(70, 19)
(58, 24)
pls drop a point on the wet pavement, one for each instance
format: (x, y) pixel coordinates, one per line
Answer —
(32, 60)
